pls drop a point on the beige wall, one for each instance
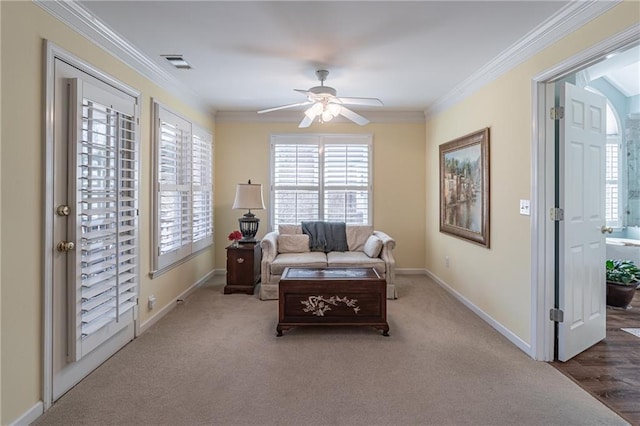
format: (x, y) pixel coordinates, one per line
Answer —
(497, 280)
(24, 26)
(242, 152)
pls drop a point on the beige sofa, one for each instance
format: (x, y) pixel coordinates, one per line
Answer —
(289, 247)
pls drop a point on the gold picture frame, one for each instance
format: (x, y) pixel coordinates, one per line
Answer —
(464, 187)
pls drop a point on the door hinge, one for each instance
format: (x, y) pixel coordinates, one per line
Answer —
(556, 214)
(557, 113)
(556, 315)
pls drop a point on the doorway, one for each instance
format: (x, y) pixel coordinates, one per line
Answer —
(545, 195)
(91, 269)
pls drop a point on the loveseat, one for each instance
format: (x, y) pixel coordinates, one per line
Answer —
(288, 246)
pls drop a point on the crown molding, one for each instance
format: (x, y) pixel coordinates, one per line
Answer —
(296, 116)
(565, 21)
(75, 16)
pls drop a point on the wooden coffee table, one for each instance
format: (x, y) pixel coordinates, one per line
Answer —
(332, 296)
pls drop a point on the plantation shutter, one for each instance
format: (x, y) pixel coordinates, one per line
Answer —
(174, 188)
(296, 182)
(346, 183)
(202, 188)
(612, 183)
(183, 200)
(103, 189)
(323, 177)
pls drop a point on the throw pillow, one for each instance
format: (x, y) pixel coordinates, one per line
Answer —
(357, 235)
(373, 246)
(293, 243)
(289, 229)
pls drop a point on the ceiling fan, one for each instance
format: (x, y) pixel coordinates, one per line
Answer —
(325, 104)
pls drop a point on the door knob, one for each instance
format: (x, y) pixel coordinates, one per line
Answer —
(63, 210)
(605, 229)
(65, 246)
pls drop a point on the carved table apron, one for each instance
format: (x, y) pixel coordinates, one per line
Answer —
(332, 296)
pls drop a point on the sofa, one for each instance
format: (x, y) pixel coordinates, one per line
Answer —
(288, 246)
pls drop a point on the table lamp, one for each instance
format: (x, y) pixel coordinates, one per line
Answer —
(248, 196)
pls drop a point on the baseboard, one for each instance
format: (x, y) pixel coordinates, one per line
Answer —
(218, 272)
(521, 344)
(29, 416)
(411, 271)
(164, 311)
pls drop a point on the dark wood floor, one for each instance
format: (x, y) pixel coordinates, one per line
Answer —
(610, 370)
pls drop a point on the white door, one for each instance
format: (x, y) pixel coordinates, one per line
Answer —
(582, 244)
(95, 230)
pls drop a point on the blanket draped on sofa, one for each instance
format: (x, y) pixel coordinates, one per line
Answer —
(326, 236)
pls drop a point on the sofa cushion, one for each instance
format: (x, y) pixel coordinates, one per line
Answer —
(293, 243)
(355, 259)
(373, 246)
(357, 235)
(313, 259)
(289, 229)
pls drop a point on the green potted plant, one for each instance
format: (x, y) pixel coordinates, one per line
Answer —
(623, 277)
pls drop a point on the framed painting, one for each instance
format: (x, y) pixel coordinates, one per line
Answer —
(464, 187)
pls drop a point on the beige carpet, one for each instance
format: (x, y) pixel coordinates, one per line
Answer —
(215, 360)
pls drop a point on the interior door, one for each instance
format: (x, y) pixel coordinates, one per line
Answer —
(95, 259)
(582, 248)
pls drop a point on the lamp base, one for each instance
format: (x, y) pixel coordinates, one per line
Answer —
(248, 227)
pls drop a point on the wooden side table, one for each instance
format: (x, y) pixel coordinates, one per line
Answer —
(243, 268)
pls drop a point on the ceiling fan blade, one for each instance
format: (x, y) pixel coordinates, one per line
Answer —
(305, 92)
(356, 118)
(306, 121)
(284, 106)
(361, 101)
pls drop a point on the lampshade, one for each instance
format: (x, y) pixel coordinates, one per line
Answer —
(249, 196)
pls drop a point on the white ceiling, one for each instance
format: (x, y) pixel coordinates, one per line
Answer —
(621, 69)
(248, 56)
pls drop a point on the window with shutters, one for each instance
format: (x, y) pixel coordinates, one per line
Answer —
(184, 189)
(320, 177)
(613, 160)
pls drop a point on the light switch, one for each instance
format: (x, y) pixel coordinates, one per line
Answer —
(525, 206)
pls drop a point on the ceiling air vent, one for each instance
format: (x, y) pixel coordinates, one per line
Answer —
(177, 61)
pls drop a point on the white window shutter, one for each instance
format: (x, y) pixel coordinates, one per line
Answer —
(174, 188)
(104, 187)
(612, 184)
(296, 183)
(321, 178)
(346, 182)
(184, 198)
(202, 187)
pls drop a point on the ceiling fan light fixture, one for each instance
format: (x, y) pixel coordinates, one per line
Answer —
(326, 116)
(316, 109)
(334, 109)
(325, 104)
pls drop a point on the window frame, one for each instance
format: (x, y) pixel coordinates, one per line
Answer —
(188, 247)
(321, 140)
